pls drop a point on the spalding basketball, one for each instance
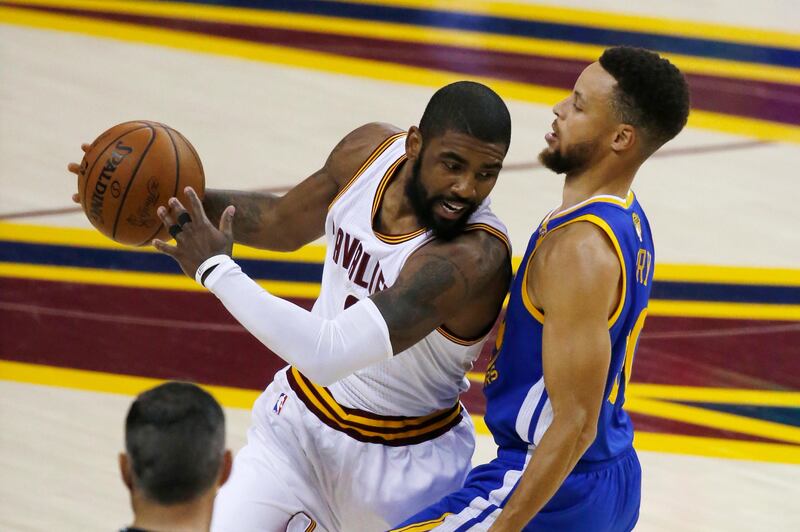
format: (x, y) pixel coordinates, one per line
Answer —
(131, 170)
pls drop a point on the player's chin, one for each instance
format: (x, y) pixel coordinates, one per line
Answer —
(448, 229)
(548, 155)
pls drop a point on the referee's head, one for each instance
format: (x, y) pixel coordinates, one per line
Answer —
(175, 446)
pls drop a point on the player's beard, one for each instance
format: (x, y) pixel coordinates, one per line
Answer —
(423, 204)
(574, 159)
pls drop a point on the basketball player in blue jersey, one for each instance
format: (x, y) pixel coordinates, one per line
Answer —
(555, 387)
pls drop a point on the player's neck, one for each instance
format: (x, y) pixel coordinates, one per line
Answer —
(396, 213)
(597, 180)
(191, 516)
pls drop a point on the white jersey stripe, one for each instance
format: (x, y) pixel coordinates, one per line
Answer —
(528, 408)
(479, 504)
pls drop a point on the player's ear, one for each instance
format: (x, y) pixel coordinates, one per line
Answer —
(125, 471)
(624, 138)
(413, 142)
(225, 468)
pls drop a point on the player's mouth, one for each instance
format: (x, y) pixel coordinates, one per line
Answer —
(451, 209)
(552, 136)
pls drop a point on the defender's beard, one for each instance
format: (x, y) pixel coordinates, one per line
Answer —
(574, 159)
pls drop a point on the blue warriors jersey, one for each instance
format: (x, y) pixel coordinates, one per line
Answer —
(518, 408)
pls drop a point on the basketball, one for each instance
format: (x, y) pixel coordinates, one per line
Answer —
(129, 171)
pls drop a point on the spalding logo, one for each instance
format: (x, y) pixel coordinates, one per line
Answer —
(145, 214)
(96, 208)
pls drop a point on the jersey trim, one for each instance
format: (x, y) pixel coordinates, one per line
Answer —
(423, 526)
(376, 205)
(602, 224)
(492, 231)
(371, 159)
(466, 342)
(605, 198)
(367, 426)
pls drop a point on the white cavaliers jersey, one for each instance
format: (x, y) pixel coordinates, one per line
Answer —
(359, 261)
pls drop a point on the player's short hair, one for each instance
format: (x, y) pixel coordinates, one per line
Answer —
(175, 440)
(651, 93)
(470, 108)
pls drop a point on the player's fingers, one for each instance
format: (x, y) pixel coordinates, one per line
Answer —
(181, 216)
(226, 221)
(176, 207)
(165, 248)
(166, 216)
(195, 205)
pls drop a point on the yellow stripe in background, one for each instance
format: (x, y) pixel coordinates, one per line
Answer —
(713, 419)
(96, 381)
(411, 33)
(504, 9)
(710, 309)
(162, 281)
(716, 447)
(604, 19)
(700, 394)
(91, 238)
(241, 398)
(384, 71)
(701, 273)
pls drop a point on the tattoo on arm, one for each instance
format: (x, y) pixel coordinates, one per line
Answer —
(418, 295)
(250, 209)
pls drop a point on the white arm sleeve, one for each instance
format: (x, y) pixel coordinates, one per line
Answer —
(323, 350)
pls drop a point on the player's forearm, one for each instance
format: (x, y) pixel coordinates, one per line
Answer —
(561, 447)
(252, 226)
(325, 350)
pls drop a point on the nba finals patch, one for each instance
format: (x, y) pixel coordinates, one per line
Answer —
(637, 224)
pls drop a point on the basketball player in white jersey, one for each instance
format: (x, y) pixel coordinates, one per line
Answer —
(364, 428)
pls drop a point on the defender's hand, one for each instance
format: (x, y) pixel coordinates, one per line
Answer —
(195, 237)
(76, 169)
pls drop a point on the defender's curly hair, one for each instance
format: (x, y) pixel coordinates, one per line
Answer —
(651, 92)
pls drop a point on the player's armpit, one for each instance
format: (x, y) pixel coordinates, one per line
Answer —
(288, 222)
(439, 281)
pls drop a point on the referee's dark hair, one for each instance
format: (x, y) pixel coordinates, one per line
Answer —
(175, 443)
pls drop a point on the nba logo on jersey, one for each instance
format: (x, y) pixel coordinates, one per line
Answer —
(279, 403)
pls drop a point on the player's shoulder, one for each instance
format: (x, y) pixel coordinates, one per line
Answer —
(579, 247)
(356, 147)
(575, 265)
(481, 253)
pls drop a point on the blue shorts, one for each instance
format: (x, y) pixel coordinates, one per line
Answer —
(597, 497)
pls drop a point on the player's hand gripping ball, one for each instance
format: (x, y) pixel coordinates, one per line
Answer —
(196, 238)
(130, 171)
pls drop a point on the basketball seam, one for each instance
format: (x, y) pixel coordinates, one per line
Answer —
(89, 172)
(177, 179)
(131, 180)
(194, 153)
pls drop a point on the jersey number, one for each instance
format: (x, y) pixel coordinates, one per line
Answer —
(644, 259)
(630, 351)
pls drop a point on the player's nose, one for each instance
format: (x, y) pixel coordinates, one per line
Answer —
(464, 188)
(558, 109)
